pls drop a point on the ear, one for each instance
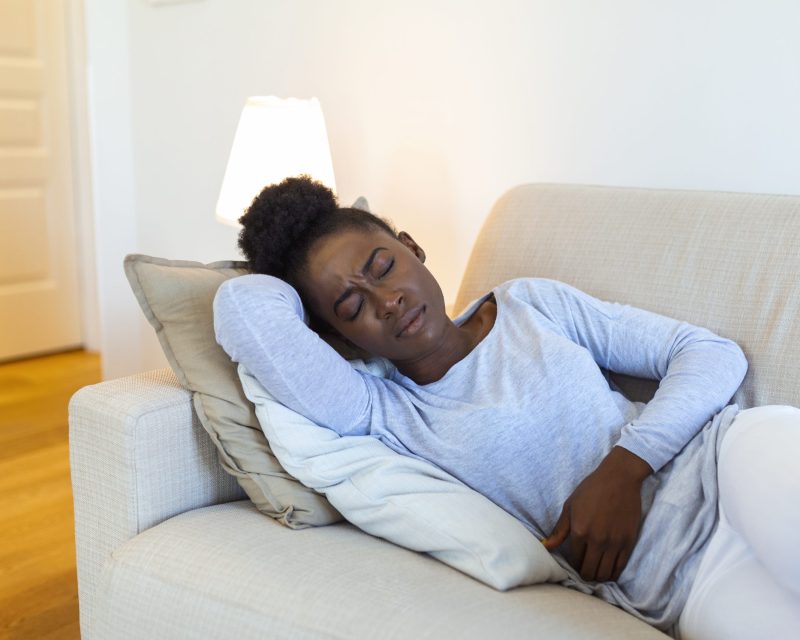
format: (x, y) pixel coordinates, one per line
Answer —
(413, 246)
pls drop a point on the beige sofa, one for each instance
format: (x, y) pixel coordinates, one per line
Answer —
(169, 547)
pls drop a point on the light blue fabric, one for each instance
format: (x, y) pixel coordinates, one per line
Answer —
(408, 501)
(527, 414)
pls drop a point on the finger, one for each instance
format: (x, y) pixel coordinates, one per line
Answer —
(591, 561)
(607, 564)
(577, 552)
(560, 532)
(621, 563)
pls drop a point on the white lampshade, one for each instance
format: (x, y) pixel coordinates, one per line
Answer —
(276, 138)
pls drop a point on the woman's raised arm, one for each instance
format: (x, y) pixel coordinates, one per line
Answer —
(259, 321)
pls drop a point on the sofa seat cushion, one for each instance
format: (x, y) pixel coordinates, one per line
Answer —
(227, 572)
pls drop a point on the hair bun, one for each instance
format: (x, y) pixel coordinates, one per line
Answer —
(279, 219)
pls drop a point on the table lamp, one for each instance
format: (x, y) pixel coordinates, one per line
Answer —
(276, 138)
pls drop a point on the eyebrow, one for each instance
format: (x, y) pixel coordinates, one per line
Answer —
(364, 270)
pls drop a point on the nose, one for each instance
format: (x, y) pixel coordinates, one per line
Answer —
(389, 302)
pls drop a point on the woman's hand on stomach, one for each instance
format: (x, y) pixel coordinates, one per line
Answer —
(602, 517)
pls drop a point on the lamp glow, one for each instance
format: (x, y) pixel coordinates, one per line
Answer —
(276, 138)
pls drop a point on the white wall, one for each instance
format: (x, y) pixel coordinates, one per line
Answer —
(433, 107)
(115, 212)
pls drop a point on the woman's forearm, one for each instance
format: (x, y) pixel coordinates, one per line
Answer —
(702, 374)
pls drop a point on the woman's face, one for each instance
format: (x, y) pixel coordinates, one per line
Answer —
(368, 285)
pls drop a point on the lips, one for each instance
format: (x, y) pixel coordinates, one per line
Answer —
(408, 318)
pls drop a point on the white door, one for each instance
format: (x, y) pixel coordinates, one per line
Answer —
(39, 295)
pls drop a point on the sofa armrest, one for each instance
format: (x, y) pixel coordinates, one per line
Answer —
(138, 456)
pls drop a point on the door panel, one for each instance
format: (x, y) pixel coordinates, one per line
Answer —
(39, 294)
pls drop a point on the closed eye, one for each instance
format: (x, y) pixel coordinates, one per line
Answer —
(353, 317)
(388, 269)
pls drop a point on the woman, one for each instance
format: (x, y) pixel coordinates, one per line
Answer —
(512, 397)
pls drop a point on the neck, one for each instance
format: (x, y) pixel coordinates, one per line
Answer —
(434, 365)
(456, 343)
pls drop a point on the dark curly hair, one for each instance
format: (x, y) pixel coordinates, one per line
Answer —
(286, 219)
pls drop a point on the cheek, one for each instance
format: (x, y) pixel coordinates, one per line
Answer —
(356, 332)
(371, 337)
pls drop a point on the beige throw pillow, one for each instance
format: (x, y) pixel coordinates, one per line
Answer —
(176, 297)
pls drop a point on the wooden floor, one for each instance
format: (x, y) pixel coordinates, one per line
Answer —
(38, 584)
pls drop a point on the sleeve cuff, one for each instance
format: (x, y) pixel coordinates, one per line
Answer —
(637, 447)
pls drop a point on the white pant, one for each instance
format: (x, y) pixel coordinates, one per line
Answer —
(748, 581)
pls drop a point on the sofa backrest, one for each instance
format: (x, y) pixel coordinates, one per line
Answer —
(726, 261)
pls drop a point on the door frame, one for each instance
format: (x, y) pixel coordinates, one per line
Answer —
(80, 152)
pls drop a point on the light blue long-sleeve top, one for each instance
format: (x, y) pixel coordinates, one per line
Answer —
(529, 412)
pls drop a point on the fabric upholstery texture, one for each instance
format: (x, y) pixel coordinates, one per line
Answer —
(138, 456)
(176, 297)
(725, 261)
(227, 572)
(407, 501)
